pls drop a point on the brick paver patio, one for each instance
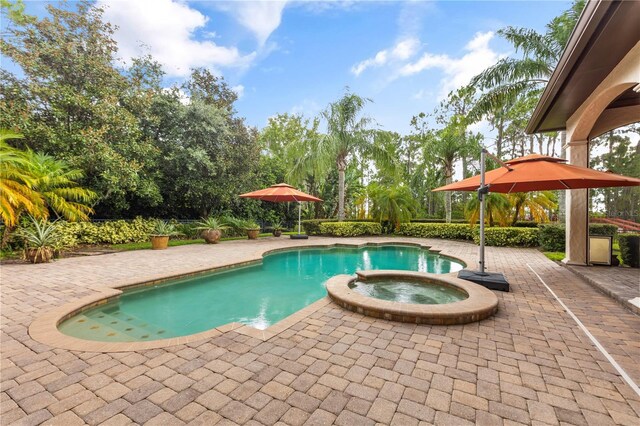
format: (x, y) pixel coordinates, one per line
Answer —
(530, 364)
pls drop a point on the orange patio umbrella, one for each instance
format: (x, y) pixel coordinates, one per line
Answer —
(282, 193)
(529, 173)
(541, 173)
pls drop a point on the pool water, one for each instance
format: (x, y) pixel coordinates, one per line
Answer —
(258, 295)
(408, 291)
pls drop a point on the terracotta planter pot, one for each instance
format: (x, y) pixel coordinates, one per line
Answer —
(252, 234)
(159, 242)
(277, 233)
(211, 236)
(42, 255)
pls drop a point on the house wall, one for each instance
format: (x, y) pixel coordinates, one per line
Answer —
(580, 128)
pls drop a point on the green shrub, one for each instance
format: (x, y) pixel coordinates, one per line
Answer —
(110, 232)
(452, 231)
(508, 237)
(312, 226)
(350, 229)
(551, 238)
(630, 249)
(429, 220)
(526, 224)
(603, 229)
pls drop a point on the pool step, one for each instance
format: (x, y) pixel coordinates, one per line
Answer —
(113, 327)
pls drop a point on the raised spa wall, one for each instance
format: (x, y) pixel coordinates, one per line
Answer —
(480, 304)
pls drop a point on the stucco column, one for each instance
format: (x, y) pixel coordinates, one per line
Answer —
(577, 219)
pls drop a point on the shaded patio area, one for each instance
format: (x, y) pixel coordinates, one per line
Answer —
(529, 364)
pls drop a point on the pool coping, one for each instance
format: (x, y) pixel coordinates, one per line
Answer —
(481, 302)
(44, 328)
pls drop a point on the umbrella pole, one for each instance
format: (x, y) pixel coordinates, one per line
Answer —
(299, 216)
(481, 195)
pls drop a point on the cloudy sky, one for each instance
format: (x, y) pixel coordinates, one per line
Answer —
(297, 57)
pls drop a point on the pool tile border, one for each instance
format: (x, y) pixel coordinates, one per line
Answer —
(44, 329)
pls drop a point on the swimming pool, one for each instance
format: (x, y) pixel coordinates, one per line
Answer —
(258, 295)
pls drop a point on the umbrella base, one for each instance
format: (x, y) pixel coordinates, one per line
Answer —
(490, 280)
(299, 237)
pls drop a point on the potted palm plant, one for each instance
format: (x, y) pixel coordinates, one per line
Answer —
(277, 229)
(40, 238)
(249, 226)
(211, 229)
(252, 228)
(161, 233)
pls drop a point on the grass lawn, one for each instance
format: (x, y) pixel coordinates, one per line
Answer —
(174, 243)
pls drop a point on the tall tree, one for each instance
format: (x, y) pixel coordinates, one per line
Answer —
(510, 77)
(69, 101)
(348, 134)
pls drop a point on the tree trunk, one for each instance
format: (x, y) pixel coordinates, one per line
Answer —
(341, 168)
(447, 194)
(530, 144)
(465, 166)
(499, 140)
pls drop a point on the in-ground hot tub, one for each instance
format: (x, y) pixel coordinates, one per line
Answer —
(415, 297)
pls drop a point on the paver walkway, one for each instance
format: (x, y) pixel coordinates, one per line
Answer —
(623, 284)
(530, 364)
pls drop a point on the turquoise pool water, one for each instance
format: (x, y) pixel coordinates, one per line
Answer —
(258, 295)
(408, 291)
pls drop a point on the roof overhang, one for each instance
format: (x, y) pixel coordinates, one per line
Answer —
(605, 32)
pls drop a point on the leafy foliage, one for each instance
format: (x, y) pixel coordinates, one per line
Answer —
(35, 183)
(350, 229)
(162, 228)
(509, 237)
(452, 231)
(630, 249)
(552, 238)
(109, 232)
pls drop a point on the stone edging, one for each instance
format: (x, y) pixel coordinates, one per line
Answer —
(44, 329)
(480, 304)
(603, 289)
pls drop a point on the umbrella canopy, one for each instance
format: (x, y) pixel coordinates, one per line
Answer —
(280, 193)
(541, 173)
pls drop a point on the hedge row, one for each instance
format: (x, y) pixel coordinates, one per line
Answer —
(508, 237)
(350, 229)
(630, 249)
(451, 231)
(312, 226)
(110, 232)
(518, 224)
(438, 221)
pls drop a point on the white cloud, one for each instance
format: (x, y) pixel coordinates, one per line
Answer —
(401, 51)
(458, 71)
(239, 89)
(307, 108)
(167, 30)
(260, 17)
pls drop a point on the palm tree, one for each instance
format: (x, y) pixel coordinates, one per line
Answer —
(348, 135)
(394, 203)
(498, 208)
(509, 78)
(537, 203)
(56, 184)
(17, 192)
(445, 147)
